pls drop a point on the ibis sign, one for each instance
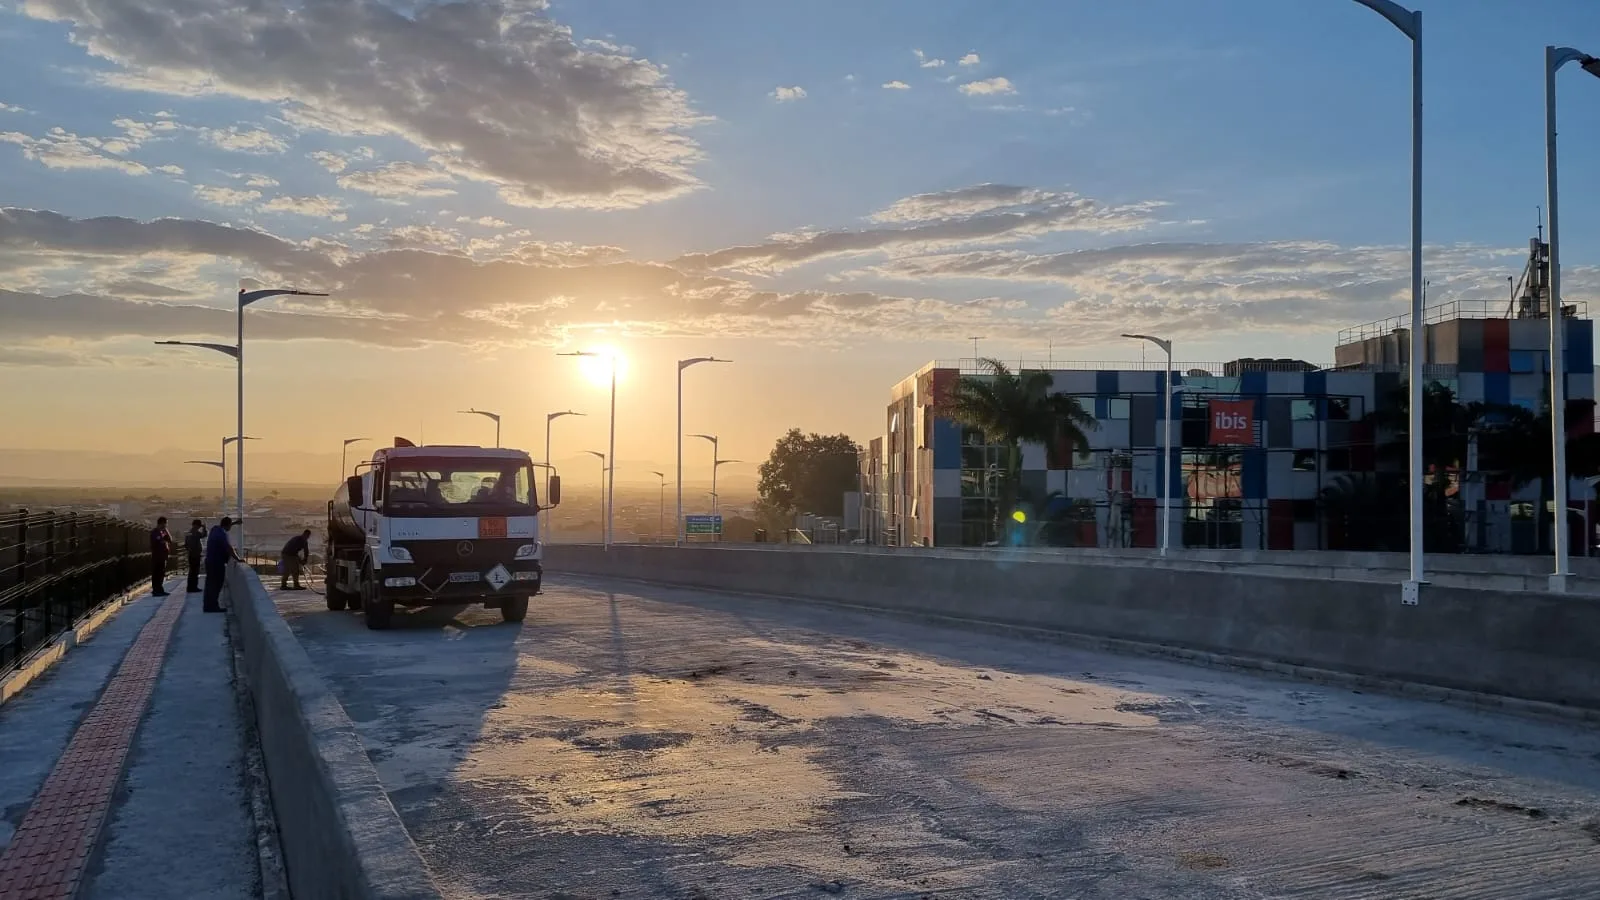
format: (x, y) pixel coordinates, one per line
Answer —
(1232, 422)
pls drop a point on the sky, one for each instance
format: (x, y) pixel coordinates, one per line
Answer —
(830, 194)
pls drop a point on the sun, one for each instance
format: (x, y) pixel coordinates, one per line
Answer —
(597, 368)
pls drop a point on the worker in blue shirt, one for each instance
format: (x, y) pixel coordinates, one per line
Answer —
(219, 552)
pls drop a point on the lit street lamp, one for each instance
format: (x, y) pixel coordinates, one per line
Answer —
(677, 529)
(605, 495)
(1164, 471)
(611, 448)
(1554, 59)
(344, 472)
(661, 515)
(487, 415)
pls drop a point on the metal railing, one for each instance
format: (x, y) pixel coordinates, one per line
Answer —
(1445, 312)
(56, 568)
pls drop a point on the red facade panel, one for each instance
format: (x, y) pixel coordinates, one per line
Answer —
(1496, 345)
(1145, 522)
(1280, 524)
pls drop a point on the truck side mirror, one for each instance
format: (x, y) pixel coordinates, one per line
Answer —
(555, 490)
(352, 486)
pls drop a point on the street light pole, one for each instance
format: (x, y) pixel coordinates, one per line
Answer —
(225, 442)
(1410, 23)
(605, 527)
(245, 299)
(344, 472)
(611, 447)
(678, 533)
(221, 465)
(487, 415)
(1164, 473)
(1554, 59)
(661, 514)
(714, 465)
(549, 466)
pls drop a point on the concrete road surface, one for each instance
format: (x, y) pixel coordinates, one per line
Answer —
(644, 742)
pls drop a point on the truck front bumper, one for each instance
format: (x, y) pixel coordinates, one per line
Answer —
(414, 585)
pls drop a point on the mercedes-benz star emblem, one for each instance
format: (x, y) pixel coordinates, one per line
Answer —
(464, 548)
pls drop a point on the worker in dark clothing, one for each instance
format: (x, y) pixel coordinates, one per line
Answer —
(219, 552)
(194, 543)
(160, 552)
(293, 559)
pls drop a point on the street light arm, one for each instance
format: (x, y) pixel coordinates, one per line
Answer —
(686, 363)
(248, 297)
(551, 417)
(1163, 343)
(1560, 56)
(203, 462)
(349, 441)
(228, 349)
(1408, 21)
(479, 412)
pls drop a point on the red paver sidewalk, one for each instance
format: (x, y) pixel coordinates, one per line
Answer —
(47, 856)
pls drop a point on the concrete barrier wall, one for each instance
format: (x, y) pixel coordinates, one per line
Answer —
(341, 836)
(1526, 645)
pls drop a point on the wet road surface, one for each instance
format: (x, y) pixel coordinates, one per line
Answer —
(632, 741)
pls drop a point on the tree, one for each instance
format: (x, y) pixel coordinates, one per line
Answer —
(1010, 408)
(809, 473)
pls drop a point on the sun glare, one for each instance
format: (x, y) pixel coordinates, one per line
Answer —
(597, 368)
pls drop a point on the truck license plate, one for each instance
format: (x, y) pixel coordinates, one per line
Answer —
(462, 577)
(492, 527)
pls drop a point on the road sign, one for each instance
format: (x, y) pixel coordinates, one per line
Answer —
(702, 524)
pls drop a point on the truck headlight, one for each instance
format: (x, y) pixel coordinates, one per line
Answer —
(528, 551)
(399, 555)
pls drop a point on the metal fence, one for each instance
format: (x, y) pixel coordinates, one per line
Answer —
(56, 568)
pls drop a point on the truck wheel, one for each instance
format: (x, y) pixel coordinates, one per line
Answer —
(337, 599)
(514, 609)
(379, 609)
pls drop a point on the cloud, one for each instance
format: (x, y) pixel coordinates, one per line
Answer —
(925, 62)
(398, 179)
(62, 149)
(260, 181)
(497, 89)
(982, 214)
(485, 221)
(785, 94)
(6, 107)
(170, 170)
(896, 86)
(329, 160)
(245, 140)
(314, 207)
(962, 202)
(971, 59)
(988, 86)
(226, 196)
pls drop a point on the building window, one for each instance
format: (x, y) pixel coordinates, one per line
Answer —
(1305, 510)
(1522, 510)
(1210, 474)
(1338, 409)
(1339, 459)
(1305, 460)
(1119, 408)
(1303, 410)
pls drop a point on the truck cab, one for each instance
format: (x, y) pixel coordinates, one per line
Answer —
(438, 526)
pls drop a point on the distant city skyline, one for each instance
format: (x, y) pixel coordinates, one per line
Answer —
(830, 194)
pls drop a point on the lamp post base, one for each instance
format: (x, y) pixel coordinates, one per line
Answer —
(1411, 592)
(1559, 582)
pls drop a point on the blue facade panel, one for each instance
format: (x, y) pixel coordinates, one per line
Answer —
(1580, 346)
(1497, 387)
(1317, 385)
(1253, 384)
(1105, 382)
(1253, 473)
(946, 444)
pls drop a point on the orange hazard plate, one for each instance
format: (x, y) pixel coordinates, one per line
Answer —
(492, 527)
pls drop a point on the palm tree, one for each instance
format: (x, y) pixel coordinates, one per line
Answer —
(1010, 408)
(1518, 443)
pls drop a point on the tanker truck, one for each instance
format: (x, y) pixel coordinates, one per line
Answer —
(438, 525)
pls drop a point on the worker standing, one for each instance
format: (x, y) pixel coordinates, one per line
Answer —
(160, 552)
(194, 543)
(219, 552)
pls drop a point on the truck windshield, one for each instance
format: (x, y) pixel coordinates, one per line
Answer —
(462, 486)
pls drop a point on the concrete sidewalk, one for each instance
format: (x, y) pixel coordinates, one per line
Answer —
(122, 770)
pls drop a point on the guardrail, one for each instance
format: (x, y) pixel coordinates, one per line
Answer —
(56, 568)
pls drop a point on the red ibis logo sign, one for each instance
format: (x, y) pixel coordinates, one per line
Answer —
(1232, 422)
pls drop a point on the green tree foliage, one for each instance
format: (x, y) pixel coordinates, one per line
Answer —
(1011, 408)
(809, 473)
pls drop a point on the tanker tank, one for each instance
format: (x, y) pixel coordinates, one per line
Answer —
(343, 525)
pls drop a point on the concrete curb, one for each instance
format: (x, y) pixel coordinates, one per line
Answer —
(341, 836)
(274, 881)
(1395, 687)
(45, 657)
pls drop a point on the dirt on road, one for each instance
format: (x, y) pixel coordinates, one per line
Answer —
(639, 742)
